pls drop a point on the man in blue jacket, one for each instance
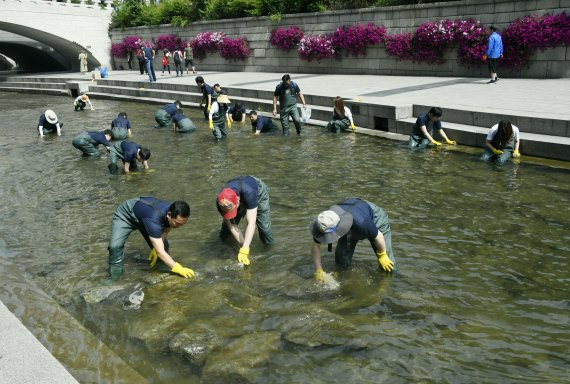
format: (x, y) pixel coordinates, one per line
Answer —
(87, 142)
(121, 127)
(130, 153)
(493, 53)
(261, 124)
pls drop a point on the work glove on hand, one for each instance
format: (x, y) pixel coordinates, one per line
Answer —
(450, 142)
(319, 274)
(353, 127)
(211, 125)
(516, 154)
(152, 257)
(243, 255)
(436, 143)
(384, 261)
(209, 107)
(496, 151)
(229, 123)
(182, 271)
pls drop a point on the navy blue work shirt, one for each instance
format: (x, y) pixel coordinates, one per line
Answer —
(206, 90)
(424, 120)
(246, 188)
(121, 122)
(130, 152)
(179, 116)
(263, 124)
(281, 89)
(151, 213)
(170, 109)
(99, 138)
(363, 225)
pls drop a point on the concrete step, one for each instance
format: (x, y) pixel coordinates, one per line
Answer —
(529, 124)
(12, 84)
(554, 147)
(30, 79)
(193, 98)
(57, 92)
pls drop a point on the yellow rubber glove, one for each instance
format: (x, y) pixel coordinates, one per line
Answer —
(319, 274)
(496, 151)
(384, 261)
(353, 127)
(451, 142)
(182, 271)
(243, 255)
(436, 143)
(229, 123)
(516, 154)
(211, 124)
(152, 257)
(209, 107)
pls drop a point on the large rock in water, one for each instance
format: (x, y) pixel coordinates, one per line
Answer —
(195, 344)
(101, 293)
(321, 328)
(242, 360)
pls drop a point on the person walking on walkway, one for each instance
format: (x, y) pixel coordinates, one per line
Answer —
(422, 132)
(129, 153)
(87, 142)
(166, 61)
(189, 59)
(163, 116)
(502, 143)
(148, 54)
(287, 92)
(347, 223)
(218, 117)
(245, 196)
(342, 117)
(177, 56)
(81, 102)
(261, 124)
(121, 127)
(154, 219)
(49, 123)
(494, 53)
(83, 62)
(207, 91)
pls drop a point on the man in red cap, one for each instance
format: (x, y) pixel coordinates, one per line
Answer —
(245, 196)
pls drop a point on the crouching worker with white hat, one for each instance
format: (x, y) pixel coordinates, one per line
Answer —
(348, 222)
(49, 123)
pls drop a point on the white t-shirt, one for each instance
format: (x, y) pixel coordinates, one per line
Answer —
(495, 128)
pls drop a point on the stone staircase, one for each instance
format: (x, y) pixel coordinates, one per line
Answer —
(540, 137)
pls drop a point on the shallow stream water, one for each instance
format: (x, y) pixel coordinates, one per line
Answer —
(482, 292)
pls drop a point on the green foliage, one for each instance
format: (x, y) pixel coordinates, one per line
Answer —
(131, 13)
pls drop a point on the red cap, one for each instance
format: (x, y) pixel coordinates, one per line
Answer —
(228, 203)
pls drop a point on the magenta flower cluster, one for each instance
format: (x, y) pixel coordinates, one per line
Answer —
(523, 37)
(234, 49)
(129, 44)
(169, 42)
(206, 42)
(399, 45)
(286, 38)
(316, 47)
(354, 39)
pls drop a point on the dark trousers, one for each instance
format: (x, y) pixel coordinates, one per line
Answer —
(141, 67)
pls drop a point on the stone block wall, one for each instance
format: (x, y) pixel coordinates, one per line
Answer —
(553, 63)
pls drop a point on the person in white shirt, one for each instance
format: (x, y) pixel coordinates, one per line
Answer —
(81, 102)
(218, 117)
(342, 117)
(502, 143)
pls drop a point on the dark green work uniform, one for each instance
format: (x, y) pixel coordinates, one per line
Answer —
(87, 142)
(288, 106)
(218, 112)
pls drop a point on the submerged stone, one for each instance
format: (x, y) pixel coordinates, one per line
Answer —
(242, 359)
(194, 344)
(101, 293)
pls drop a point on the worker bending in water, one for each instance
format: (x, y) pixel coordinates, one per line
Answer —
(130, 153)
(81, 102)
(347, 223)
(121, 127)
(261, 124)
(245, 196)
(49, 123)
(422, 133)
(87, 142)
(154, 219)
(163, 116)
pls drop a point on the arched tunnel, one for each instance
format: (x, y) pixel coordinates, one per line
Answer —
(38, 51)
